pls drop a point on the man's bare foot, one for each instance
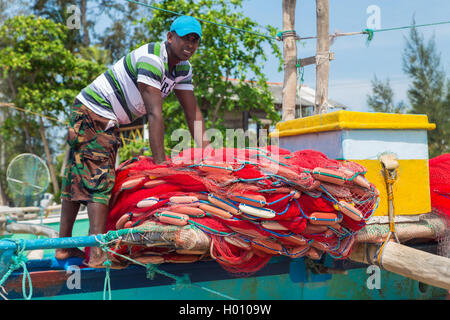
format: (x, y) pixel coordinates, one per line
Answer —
(62, 254)
(96, 257)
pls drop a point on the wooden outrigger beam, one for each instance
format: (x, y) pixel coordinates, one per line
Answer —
(395, 257)
(406, 261)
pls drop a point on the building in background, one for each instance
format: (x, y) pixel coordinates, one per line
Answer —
(304, 107)
(237, 119)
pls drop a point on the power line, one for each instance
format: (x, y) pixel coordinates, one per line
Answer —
(369, 32)
(203, 20)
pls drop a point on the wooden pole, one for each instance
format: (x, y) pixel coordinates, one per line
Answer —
(406, 261)
(322, 56)
(290, 60)
(35, 229)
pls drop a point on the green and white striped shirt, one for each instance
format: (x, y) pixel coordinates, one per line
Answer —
(115, 94)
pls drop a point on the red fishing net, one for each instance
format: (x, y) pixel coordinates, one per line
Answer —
(252, 203)
(440, 184)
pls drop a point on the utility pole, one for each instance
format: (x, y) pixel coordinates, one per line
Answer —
(322, 56)
(290, 60)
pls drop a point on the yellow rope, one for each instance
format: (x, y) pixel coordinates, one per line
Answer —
(390, 178)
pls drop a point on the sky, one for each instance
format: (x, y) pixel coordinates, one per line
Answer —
(356, 63)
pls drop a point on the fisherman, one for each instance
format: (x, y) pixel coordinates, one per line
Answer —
(133, 87)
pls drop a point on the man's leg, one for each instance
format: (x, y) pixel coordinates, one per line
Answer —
(69, 211)
(97, 213)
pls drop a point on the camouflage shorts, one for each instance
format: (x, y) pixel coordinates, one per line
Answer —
(90, 172)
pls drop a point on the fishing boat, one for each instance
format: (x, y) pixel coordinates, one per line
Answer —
(375, 269)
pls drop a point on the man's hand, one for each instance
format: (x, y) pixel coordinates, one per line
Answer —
(153, 104)
(193, 115)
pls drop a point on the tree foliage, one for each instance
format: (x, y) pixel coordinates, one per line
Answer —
(44, 65)
(382, 98)
(91, 15)
(429, 92)
(42, 78)
(228, 65)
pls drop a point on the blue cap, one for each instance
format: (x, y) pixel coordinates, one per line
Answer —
(186, 24)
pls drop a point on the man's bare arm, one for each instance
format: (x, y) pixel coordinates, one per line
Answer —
(153, 104)
(193, 115)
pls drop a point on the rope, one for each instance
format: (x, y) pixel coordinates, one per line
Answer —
(19, 260)
(211, 231)
(289, 33)
(389, 177)
(107, 284)
(413, 26)
(281, 199)
(203, 20)
(273, 160)
(214, 292)
(368, 32)
(151, 269)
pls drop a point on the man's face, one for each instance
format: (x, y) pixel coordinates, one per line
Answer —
(183, 47)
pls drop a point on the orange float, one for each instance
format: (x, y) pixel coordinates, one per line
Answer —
(190, 211)
(173, 218)
(329, 175)
(221, 203)
(215, 211)
(267, 246)
(349, 210)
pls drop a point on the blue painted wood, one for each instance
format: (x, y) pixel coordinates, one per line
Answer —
(281, 278)
(133, 277)
(54, 243)
(328, 142)
(273, 282)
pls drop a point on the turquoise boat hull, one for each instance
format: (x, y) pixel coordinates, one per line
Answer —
(281, 279)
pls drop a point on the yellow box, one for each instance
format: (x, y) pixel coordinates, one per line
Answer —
(362, 137)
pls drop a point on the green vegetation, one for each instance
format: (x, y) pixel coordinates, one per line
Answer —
(428, 93)
(44, 63)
